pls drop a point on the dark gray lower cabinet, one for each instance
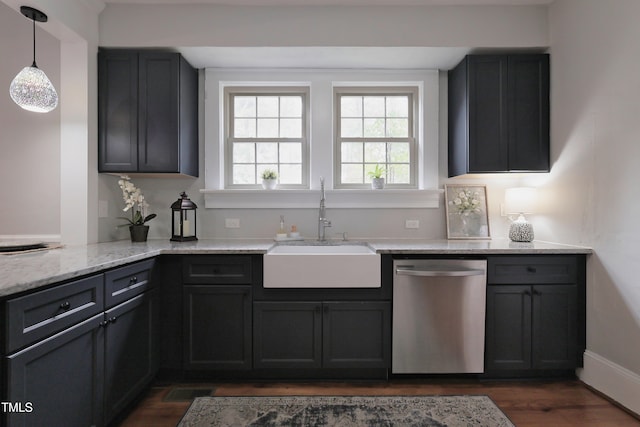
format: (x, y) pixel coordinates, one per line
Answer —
(535, 323)
(336, 334)
(75, 360)
(131, 350)
(287, 335)
(61, 377)
(531, 327)
(217, 327)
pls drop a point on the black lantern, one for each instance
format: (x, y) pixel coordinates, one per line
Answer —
(183, 224)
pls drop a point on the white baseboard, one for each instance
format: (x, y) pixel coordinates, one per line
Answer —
(614, 381)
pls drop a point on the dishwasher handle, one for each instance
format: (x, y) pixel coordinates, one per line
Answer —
(437, 271)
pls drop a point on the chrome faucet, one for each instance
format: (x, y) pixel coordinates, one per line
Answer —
(323, 222)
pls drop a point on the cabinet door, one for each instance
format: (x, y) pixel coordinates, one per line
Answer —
(117, 111)
(217, 327)
(131, 350)
(528, 109)
(555, 322)
(508, 327)
(61, 377)
(159, 134)
(356, 334)
(287, 334)
(488, 138)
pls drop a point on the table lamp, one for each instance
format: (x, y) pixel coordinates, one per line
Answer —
(520, 201)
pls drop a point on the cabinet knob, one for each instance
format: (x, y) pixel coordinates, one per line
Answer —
(531, 269)
(112, 319)
(133, 280)
(65, 305)
(527, 292)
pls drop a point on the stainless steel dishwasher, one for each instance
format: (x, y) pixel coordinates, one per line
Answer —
(438, 316)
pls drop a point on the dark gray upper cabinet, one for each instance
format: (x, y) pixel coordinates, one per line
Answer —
(147, 112)
(499, 114)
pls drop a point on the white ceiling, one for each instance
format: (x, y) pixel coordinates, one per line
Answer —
(339, 2)
(328, 57)
(324, 57)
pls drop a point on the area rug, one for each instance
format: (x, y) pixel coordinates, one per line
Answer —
(452, 411)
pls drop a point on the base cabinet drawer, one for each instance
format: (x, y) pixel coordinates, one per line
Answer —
(127, 282)
(43, 313)
(218, 270)
(531, 269)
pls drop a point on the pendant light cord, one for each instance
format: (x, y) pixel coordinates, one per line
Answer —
(34, 43)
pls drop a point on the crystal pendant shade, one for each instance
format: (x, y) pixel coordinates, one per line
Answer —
(32, 90)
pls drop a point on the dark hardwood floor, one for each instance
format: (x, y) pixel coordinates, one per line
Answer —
(526, 403)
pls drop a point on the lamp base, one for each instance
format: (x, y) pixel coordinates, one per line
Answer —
(521, 231)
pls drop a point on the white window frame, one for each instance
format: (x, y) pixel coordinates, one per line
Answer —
(229, 139)
(413, 137)
(321, 83)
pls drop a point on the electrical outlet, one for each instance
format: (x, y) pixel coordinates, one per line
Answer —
(412, 223)
(232, 223)
(103, 209)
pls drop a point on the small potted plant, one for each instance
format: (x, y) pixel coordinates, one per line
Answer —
(377, 178)
(269, 179)
(134, 201)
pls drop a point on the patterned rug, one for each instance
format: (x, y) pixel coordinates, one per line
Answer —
(452, 411)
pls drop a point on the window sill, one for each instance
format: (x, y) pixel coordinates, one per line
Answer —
(335, 199)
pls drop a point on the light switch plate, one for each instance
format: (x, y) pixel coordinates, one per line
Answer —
(103, 209)
(232, 222)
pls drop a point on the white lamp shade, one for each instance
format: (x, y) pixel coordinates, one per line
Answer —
(32, 90)
(520, 200)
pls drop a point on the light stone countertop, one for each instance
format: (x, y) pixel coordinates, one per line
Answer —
(24, 272)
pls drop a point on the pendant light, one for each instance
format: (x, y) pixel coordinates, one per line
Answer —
(31, 89)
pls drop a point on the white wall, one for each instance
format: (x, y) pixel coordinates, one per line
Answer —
(72, 24)
(211, 25)
(596, 201)
(207, 25)
(29, 142)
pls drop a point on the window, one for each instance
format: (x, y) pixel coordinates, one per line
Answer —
(375, 126)
(266, 128)
(320, 153)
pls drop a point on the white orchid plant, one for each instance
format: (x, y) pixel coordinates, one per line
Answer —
(466, 202)
(134, 201)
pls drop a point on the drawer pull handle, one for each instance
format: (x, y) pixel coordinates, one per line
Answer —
(105, 323)
(65, 305)
(133, 280)
(531, 269)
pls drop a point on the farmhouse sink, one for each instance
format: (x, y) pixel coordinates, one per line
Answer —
(322, 266)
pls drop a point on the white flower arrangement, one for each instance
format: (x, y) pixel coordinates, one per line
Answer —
(466, 203)
(134, 200)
